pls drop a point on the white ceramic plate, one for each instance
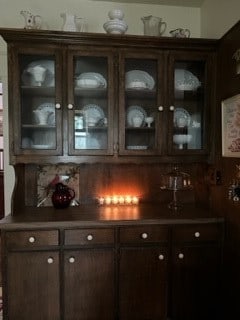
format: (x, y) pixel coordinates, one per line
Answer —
(134, 111)
(92, 76)
(139, 76)
(137, 147)
(48, 107)
(92, 111)
(28, 80)
(137, 85)
(40, 146)
(185, 80)
(181, 113)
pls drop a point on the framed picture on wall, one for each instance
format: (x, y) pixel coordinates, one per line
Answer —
(231, 127)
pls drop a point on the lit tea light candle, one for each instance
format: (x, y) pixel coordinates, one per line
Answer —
(118, 200)
(135, 200)
(121, 200)
(108, 200)
(115, 200)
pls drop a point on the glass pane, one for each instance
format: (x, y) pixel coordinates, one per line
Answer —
(189, 105)
(38, 129)
(140, 103)
(91, 103)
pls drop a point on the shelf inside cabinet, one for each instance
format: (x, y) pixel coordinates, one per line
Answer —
(99, 92)
(38, 91)
(38, 126)
(139, 93)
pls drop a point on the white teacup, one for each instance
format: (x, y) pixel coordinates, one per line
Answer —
(137, 121)
(38, 73)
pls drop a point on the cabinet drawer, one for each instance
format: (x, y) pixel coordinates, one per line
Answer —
(143, 234)
(197, 233)
(31, 239)
(89, 236)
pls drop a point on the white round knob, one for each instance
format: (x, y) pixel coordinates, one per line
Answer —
(89, 237)
(181, 256)
(171, 108)
(161, 257)
(144, 235)
(197, 234)
(31, 239)
(71, 259)
(70, 106)
(58, 106)
(50, 260)
(160, 108)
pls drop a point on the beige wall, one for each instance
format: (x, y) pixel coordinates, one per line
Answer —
(218, 16)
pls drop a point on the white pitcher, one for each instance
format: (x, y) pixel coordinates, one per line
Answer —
(38, 73)
(31, 21)
(72, 22)
(153, 26)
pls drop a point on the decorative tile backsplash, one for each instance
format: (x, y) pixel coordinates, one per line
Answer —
(48, 176)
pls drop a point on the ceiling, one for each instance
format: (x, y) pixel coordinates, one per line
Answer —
(179, 3)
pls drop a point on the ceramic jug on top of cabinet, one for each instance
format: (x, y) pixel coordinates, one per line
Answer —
(153, 26)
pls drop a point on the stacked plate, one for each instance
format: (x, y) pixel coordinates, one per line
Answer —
(139, 79)
(49, 81)
(90, 80)
(185, 80)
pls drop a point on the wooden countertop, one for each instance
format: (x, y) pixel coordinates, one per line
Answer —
(94, 215)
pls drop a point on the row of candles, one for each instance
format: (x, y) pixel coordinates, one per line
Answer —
(121, 200)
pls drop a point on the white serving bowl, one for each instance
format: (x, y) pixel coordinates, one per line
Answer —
(115, 26)
(116, 14)
(87, 83)
(182, 139)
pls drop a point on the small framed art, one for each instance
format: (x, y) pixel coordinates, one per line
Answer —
(231, 127)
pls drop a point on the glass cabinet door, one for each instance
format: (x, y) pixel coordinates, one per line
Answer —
(189, 101)
(140, 87)
(36, 117)
(91, 104)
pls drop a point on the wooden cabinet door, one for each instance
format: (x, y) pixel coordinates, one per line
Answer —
(36, 108)
(189, 97)
(32, 290)
(195, 288)
(143, 283)
(89, 284)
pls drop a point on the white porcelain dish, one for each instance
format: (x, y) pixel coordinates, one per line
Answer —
(40, 146)
(115, 26)
(49, 81)
(137, 147)
(92, 113)
(139, 76)
(137, 85)
(181, 113)
(89, 79)
(48, 107)
(135, 111)
(185, 80)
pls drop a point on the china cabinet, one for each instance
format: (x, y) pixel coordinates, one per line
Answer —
(95, 96)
